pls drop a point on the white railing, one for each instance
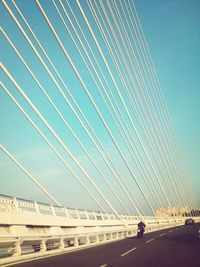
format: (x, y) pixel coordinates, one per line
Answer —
(10, 204)
(29, 230)
(13, 205)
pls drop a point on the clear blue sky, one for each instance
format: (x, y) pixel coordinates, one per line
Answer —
(172, 30)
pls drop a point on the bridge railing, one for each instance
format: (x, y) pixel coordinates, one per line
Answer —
(12, 205)
(30, 229)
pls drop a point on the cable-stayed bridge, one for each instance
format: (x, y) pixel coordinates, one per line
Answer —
(88, 128)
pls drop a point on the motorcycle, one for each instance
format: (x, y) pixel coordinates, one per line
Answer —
(140, 232)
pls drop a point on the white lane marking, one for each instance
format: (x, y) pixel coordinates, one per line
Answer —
(149, 240)
(162, 234)
(128, 252)
(104, 265)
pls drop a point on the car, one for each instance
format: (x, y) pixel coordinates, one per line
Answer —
(189, 221)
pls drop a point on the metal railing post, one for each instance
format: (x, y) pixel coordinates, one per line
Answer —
(97, 238)
(15, 202)
(77, 214)
(86, 214)
(76, 243)
(66, 212)
(17, 248)
(62, 244)
(53, 210)
(36, 207)
(87, 240)
(43, 246)
(104, 237)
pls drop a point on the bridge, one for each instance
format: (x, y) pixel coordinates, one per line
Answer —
(87, 145)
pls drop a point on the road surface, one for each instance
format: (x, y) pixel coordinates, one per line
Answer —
(179, 246)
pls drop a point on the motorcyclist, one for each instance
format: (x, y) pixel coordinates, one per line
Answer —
(141, 228)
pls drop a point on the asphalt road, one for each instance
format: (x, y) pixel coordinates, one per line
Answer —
(174, 247)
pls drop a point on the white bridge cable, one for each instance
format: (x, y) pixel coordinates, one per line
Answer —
(122, 132)
(99, 90)
(142, 125)
(113, 168)
(105, 101)
(82, 57)
(28, 173)
(99, 24)
(159, 94)
(137, 154)
(62, 6)
(150, 78)
(188, 185)
(97, 75)
(64, 121)
(121, 97)
(166, 121)
(134, 204)
(93, 102)
(60, 141)
(163, 141)
(52, 147)
(140, 74)
(139, 84)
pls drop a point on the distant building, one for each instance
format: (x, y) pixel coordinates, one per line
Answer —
(172, 211)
